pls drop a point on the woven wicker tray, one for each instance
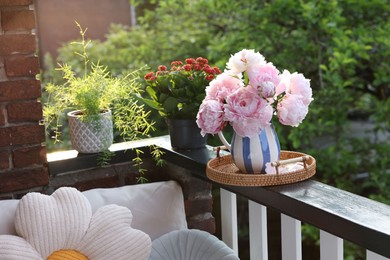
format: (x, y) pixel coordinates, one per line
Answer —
(223, 170)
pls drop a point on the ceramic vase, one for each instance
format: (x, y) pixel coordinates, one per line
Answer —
(250, 154)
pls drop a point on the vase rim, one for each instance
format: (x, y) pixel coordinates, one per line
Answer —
(78, 113)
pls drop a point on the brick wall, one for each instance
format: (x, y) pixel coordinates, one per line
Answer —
(23, 163)
(22, 153)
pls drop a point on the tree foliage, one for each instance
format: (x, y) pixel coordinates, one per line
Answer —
(341, 45)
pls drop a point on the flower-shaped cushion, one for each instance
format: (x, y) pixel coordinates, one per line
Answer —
(190, 244)
(61, 226)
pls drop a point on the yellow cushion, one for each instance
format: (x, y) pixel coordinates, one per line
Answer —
(67, 255)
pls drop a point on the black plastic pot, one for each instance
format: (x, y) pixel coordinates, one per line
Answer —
(185, 134)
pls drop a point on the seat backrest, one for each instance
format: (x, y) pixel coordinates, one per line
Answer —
(157, 208)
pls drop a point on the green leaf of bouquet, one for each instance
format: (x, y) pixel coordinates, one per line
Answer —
(199, 98)
(162, 98)
(151, 92)
(189, 93)
(170, 104)
(178, 93)
(149, 102)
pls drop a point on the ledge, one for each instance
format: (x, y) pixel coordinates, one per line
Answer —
(71, 160)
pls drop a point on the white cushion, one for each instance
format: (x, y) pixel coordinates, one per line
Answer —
(157, 208)
(7, 216)
(62, 226)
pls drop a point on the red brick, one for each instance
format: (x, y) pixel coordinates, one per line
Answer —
(207, 225)
(30, 156)
(21, 66)
(4, 160)
(2, 119)
(5, 136)
(17, 44)
(27, 134)
(20, 90)
(15, 2)
(18, 20)
(193, 187)
(22, 112)
(108, 182)
(198, 206)
(23, 179)
(2, 70)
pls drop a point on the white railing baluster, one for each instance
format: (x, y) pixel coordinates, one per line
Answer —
(331, 246)
(229, 219)
(291, 238)
(374, 256)
(258, 244)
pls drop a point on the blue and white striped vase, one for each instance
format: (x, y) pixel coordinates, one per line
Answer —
(251, 154)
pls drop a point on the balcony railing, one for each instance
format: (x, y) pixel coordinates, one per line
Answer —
(338, 214)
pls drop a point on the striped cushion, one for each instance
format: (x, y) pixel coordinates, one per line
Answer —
(190, 245)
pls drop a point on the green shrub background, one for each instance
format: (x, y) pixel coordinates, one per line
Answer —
(343, 46)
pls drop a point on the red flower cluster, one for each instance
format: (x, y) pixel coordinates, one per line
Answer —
(150, 76)
(191, 65)
(178, 91)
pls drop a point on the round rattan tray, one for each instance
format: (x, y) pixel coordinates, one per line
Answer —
(223, 170)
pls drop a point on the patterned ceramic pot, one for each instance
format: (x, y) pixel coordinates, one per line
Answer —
(91, 136)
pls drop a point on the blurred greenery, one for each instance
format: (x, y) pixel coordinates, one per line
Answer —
(343, 46)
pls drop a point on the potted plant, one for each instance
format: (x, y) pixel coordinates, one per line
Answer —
(177, 93)
(94, 102)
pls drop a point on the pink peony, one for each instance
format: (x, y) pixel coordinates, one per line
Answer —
(283, 168)
(269, 169)
(249, 93)
(222, 86)
(266, 90)
(299, 85)
(259, 74)
(210, 117)
(239, 62)
(247, 112)
(284, 82)
(295, 84)
(291, 110)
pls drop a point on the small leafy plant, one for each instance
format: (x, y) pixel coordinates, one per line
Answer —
(94, 92)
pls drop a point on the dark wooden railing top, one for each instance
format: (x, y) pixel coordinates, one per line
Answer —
(341, 213)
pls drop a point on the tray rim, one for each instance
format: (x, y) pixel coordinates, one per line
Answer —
(244, 179)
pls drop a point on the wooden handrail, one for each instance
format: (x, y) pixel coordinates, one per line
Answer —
(349, 216)
(346, 215)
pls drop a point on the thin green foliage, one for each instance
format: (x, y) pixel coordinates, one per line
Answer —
(96, 90)
(104, 158)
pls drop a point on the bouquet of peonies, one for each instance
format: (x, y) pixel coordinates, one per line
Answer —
(249, 93)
